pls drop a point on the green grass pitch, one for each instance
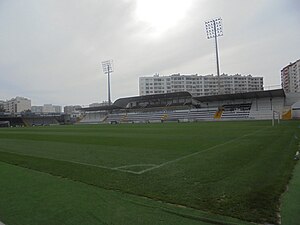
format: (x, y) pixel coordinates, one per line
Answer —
(235, 169)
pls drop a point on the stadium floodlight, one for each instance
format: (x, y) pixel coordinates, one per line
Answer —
(107, 67)
(214, 29)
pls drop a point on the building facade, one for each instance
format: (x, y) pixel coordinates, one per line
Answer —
(37, 109)
(199, 85)
(46, 108)
(69, 109)
(2, 105)
(17, 105)
(290, 77)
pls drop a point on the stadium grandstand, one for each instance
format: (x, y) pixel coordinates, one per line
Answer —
(182, 107)
(32, 119)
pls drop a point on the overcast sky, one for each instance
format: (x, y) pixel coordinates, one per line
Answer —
(51, 50)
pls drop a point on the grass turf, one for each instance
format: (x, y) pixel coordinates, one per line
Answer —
(238, 169)
(53, 200)
(291, 200)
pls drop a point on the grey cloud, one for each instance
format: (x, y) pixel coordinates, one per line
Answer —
(51, 50)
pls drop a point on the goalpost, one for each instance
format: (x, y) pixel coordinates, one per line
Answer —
(275, 116)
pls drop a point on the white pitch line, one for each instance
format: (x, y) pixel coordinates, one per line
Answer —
(133, 165)
(196, 153)
(80, 163)
(99, 166)
(126, 171)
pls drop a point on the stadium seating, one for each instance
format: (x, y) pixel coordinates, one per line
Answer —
(93, 117)
(137, 117)
(177, 115)
(263, 109)
(202, 114)
(236, 111)
(157, 116)
(182, 106)
(258, 109)
(4, 124)
(111, 118)
(40, 121)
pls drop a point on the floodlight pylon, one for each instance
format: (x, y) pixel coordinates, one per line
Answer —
(107, 67)
(214, 29)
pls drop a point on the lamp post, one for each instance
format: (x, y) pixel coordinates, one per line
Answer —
(214, 29)
(107, 67)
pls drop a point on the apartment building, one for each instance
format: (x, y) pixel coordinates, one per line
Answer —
(46, 108)
(37, 109)
(17, 105)
(2, 105)
(69, 109)
(199, 85)
(290, 77)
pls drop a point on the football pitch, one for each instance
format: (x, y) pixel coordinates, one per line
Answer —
(217, 170)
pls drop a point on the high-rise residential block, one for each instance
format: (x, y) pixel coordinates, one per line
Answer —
(290, 77)
(199, 85)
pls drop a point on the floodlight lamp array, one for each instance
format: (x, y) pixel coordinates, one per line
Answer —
(214, 28)
(107, 66)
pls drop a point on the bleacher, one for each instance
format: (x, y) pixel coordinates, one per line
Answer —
(182, 106)
(92, 118)
(40, 121)
(137, 117)
(259, 111)
(177, 115)
(112, 118)
(157, 116)
(12, 121)
(263, 109)
(202, 114)
(236, 111)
